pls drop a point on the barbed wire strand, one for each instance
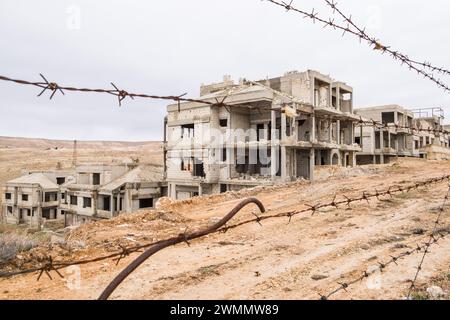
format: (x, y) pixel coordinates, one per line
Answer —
(433, 239)
(395, 54)
(429, 243)
(122, 94)
(374, 43)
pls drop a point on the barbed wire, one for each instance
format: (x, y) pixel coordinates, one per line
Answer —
(373, 42)
(121, 94)
(429, 243)
(216, 228)
(434, 239)
(395, 54)
(48, 264)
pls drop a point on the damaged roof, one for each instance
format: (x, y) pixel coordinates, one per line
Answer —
(140, 174)
(35, 178)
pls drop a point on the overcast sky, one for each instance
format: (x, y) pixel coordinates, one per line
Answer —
(171, 47)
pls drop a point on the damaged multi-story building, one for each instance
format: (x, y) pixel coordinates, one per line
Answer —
(433, 132)
(33, 196)
(105, 191)
(267, 132)
(85, 193)
(381, 144)
(398, 136)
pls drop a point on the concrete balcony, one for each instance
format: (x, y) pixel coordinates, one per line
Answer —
(50, 204)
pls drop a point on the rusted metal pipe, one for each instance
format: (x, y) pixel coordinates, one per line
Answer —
(173, 241)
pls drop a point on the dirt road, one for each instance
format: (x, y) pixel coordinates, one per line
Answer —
(303, 259)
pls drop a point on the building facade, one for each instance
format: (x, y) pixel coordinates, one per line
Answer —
(271, 131)
(400, 137)
(86, 193)
(32, 197)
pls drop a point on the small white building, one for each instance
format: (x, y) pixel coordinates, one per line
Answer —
(33, 197)
(87, 193)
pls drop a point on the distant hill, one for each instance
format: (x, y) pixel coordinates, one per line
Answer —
(18, 142)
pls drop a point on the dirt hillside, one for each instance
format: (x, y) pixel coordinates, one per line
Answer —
(302, 259)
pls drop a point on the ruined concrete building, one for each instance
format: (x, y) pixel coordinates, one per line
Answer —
(271, 131)
(87, 193)
(381, 145)
(105, 191)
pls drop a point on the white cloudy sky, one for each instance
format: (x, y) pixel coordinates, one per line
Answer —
(171, 47)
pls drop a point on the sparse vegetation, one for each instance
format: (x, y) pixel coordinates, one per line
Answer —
(13, 243)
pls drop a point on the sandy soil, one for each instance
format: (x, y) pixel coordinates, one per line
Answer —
(300, 260)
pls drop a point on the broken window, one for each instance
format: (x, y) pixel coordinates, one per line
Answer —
(10, 210)
(199, 170)
(186, 164)
(24, 197)
(387, 117)
(357, 140)
(87, 202)
(50, 197)
(8, 196)
(187, 131)
(46, 213)
(377, 140)
(74, 200)
(145, 203)
(224, 154)
(60, 180)
(223, 123)
(107, 203)
(96, 179)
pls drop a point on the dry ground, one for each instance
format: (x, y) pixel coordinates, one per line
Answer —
(300, 260)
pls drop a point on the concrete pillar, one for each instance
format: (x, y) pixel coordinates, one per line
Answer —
(311, 164)
(361, 137)
(283, 126)
(338, 100)
(330, 131)
(118, 202)
(200, 190)
(338, 131)
(313, 128)
(381, 146)
(330, 96)
(274, 142)
(111, 204)
(283, 163)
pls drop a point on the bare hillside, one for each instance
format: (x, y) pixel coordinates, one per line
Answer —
(17, 154)
(304, 259)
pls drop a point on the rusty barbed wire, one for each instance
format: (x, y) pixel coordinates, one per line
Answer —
(50, 265)
(430, 242)
(433, 239)
(121, 94)
(395, 54)
(373, 42)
